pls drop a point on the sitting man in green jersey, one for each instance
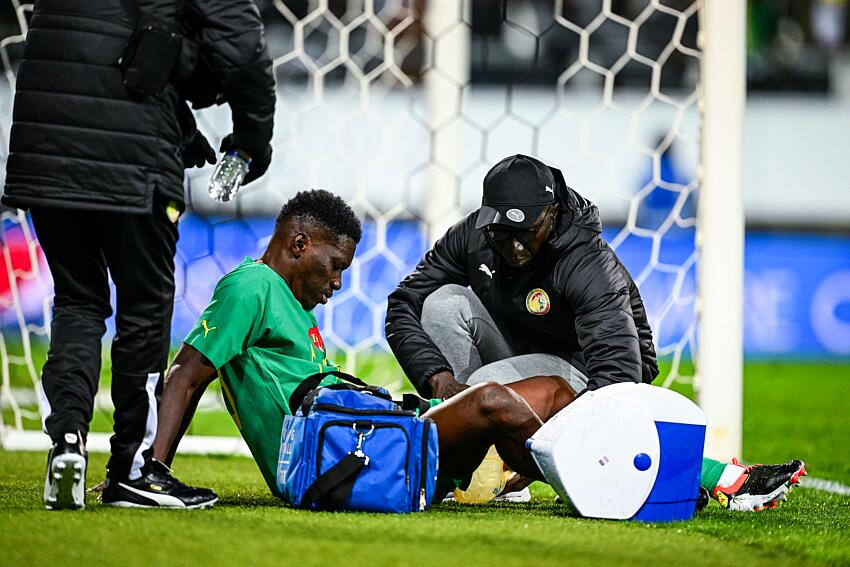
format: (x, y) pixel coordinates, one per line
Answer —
(259, 335)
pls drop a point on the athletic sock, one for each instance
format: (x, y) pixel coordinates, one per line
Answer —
(711, 472)
(714, 474)
(732, 474)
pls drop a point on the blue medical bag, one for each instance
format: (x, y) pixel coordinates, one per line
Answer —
(353, 448)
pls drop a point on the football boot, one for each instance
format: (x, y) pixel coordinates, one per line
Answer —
(760, 486)
(156, 488)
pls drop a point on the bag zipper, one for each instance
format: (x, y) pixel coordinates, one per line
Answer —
(349, 411)
(423, 500)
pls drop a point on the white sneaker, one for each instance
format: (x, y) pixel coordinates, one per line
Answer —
(65, 481)
(523, 495)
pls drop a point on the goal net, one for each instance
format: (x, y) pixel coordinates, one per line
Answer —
(401, 107)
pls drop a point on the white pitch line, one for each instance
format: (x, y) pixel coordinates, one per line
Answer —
(825, 486)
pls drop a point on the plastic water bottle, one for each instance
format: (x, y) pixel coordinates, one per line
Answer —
(228, 176)
(487, 482)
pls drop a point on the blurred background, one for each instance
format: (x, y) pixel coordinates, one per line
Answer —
(402, 107)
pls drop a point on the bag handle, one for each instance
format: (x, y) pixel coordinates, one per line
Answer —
(347, 377)
(333, 488)
(310, 383)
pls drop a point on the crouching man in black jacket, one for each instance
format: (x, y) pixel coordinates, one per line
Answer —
(525, 286)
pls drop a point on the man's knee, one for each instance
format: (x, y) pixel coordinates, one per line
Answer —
(88, 307)
(449, 299)
(494, 402)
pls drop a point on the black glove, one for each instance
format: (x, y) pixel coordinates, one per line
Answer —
(260, 158)
(197, 151)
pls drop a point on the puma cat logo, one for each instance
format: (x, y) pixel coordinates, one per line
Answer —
(207, 329)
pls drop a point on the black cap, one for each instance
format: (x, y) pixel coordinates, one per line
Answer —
(516, 190)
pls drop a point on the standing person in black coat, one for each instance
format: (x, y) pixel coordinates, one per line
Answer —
(100, 137)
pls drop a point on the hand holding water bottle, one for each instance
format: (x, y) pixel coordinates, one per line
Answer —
(238, 167)
(228, 175)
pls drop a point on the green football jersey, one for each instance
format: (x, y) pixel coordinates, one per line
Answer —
(264, 344)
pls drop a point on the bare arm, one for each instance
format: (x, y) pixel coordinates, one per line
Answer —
(187, 378)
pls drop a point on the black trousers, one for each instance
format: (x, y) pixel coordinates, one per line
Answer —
(137, 251)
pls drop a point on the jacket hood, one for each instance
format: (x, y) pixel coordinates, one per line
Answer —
(578, 220)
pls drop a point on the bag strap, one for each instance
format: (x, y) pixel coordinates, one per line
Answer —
(312, 382)
(412, 402)
(347, 377)
(332, 489)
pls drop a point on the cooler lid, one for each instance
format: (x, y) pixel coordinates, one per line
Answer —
(601, 452)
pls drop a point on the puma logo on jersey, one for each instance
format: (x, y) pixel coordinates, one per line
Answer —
(550, 190)
(487, 270)
(207, 329)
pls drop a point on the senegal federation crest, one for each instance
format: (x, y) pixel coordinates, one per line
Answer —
(537, 302)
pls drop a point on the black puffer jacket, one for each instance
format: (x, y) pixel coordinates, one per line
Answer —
(79, 141)
(596, 318)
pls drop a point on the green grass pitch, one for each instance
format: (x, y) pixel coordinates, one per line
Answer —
(791, 410)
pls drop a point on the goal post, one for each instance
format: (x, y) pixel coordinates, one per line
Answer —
(444, 81)
(720, 226)
(401, 107)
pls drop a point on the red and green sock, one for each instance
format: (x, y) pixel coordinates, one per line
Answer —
(715, 473)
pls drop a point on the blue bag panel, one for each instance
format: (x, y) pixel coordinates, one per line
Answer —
(674, 495)
(384, 483)
(354, 399)
(294, 462)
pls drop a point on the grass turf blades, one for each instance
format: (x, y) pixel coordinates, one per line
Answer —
(249, 526)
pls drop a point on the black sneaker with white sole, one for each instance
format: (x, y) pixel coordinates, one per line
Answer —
(156, 488)
(65, 481)
(760, 486)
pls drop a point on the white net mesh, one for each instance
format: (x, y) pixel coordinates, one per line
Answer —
(401, 108)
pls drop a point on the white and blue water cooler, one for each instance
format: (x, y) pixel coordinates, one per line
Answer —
(625, 451)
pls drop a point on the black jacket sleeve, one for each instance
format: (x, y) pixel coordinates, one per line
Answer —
(232, 45)
(649, 364)
(186, 121)
(599, 295)
(163, 13)
(444, 264)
